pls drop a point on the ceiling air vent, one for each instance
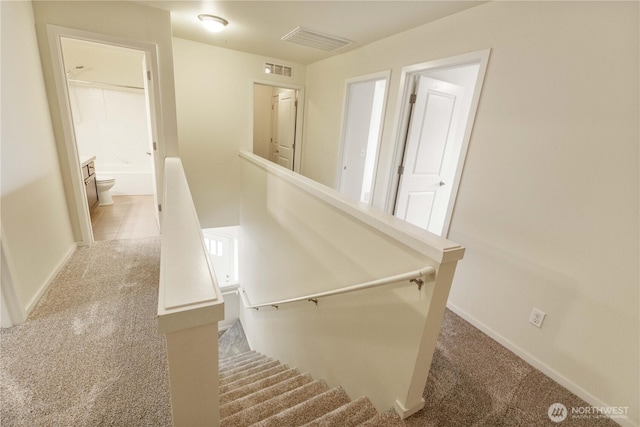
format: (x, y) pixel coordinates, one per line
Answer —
(311, 38)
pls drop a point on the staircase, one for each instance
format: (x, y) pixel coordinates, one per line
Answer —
(258, 391)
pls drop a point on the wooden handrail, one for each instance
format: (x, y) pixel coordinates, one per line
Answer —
(413, 276)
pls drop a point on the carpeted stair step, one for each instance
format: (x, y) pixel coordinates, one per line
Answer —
(386, 419)
(246, 358)
(261, 395)
(225, 388)
(224, 363)
(245, 390)
(272, 406)
(350, 415)
(308, 410)
(236, 357)
(248, 372)
(248, 364)
(260, 392)
(242, 365)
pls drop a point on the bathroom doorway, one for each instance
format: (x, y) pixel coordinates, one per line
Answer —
(111, 116)
(108, 103)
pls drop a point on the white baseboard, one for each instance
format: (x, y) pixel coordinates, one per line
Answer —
(45, 285)
(542, 367)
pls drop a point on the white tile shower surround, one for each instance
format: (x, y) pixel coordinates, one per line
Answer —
(129, 217)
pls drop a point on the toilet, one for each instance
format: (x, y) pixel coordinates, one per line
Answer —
(104, 184)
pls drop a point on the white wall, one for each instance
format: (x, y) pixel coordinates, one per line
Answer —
(117, 19)
(36, 229)
(214, 93)
(548, 202)
(231, 309)
(262, 95)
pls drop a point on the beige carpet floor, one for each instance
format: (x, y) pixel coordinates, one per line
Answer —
(474, 381)
(90, 353)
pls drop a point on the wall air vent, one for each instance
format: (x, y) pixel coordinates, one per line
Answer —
(278, 69)
(311, 38)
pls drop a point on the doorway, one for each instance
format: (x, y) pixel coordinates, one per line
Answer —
(109, 110)
(275, 125)
(440, 101)
(107, 90)
(365, 99)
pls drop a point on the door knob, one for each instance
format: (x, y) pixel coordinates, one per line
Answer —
(441, 183)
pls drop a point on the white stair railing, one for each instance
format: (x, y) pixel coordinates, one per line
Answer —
(300, 238)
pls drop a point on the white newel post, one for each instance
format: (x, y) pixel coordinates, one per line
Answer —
(193, 375)
(413, 401)
(190, 305)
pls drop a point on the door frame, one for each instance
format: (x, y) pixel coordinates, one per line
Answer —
(55, 33)
(381, 75)
(13, 313)
(297, 152)
(407, 79)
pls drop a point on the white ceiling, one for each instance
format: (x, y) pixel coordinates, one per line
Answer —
(258, 26)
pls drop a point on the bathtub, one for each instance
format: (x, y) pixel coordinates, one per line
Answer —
(131, 180)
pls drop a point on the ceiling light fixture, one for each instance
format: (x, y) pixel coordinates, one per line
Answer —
(215, 24)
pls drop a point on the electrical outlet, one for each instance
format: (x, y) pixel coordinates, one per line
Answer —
(537, 317)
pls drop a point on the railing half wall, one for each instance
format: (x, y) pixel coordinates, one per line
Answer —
(190, 305)
(301, 238)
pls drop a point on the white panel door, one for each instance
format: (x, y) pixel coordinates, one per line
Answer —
(430, 154)
(286, 128)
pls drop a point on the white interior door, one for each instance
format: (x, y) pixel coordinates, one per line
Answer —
(273, 144)
(277, 112)
(356, 136)
(431, 153)
(286, 124)
(364, 107)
